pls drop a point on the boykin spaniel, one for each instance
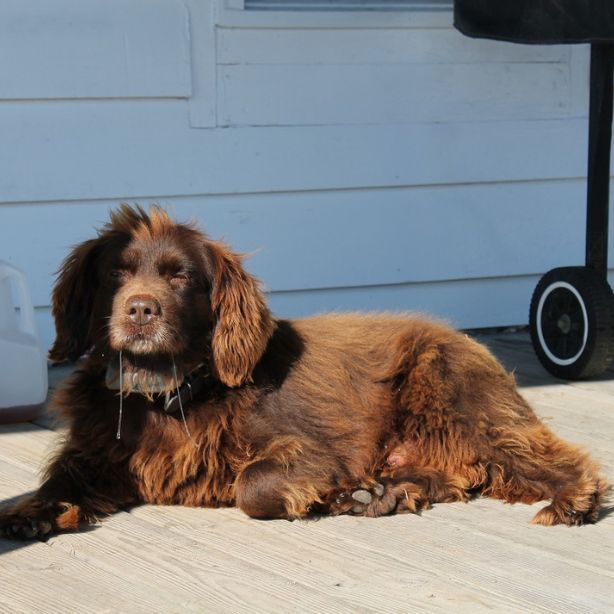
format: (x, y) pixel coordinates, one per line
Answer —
(191, 393)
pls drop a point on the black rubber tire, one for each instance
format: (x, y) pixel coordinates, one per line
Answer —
(572, 322)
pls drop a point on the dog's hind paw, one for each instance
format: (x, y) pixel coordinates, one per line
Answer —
(380, 500)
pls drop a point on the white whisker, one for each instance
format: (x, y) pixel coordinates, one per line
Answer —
(185, 424)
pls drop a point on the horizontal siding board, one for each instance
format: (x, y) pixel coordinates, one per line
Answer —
(390, 93)
(373, 46)
(472, 303)
(346, 5)
(228, 16)
(466, 303)
(343, 239)
(95, 49)
(120, 149)
(479, 303)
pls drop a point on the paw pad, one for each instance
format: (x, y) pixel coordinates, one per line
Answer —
(363, 496)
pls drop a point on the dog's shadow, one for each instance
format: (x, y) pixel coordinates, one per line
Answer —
(605, 511)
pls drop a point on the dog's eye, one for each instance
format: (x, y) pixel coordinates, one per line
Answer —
(117, 273)
(179, 278)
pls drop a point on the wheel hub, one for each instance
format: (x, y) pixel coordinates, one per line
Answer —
(564, 324)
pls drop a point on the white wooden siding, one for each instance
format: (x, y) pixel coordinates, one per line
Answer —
(95, 49)
(377, 161)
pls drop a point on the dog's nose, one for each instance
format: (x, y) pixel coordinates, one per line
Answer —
(142, 309)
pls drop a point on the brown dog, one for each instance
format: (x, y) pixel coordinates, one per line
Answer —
(224, 405)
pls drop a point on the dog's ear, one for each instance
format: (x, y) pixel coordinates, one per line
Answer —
(72, 302)
(242, 322)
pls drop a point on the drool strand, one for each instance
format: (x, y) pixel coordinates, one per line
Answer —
(121, 398)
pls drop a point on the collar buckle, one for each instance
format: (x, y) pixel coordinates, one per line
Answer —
(172, 401)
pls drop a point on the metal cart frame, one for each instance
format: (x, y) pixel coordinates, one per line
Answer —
(571, 315)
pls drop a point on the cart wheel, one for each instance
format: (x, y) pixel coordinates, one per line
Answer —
(572, 322)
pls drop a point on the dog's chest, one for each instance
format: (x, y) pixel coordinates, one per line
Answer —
(171, 466)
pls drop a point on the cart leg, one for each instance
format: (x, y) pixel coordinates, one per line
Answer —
(599, 148)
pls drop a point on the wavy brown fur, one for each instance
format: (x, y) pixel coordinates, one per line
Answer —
(294, 417)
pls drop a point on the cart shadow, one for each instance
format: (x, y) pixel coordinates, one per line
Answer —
(516, 354)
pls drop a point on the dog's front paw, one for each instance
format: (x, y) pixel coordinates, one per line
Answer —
(19, 527)
(34, 519)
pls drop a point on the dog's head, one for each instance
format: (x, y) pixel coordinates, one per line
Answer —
(155, 289)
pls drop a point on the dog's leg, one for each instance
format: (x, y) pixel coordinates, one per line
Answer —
(71, 493)
(462, 413)
(537, 465)
(575, 504)
(268, 489)
(288, 479)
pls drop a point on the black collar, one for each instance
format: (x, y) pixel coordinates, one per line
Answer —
(192, 385)
(174, 400)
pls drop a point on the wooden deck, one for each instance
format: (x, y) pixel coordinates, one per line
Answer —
(475, 557)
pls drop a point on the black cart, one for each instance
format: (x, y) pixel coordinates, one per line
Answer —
(572, 309)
